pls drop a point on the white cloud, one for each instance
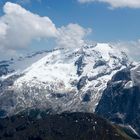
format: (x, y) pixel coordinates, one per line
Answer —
(117, 3)
(3, 29)
(19, 27)
(22, 26)
(72, 35)
(132, 48)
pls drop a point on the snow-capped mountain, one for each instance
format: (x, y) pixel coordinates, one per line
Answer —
(16, 66)
(64, 79)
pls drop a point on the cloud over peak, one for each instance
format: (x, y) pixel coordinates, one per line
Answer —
(71, 35)
(116, 3)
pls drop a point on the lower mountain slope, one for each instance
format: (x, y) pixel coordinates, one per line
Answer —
(65, 126)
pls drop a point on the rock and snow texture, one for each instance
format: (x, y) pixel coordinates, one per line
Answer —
(64, 79)
(120, 101)
(16, 66)
(135, 75)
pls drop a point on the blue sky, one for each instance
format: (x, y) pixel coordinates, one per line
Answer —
(108, 25)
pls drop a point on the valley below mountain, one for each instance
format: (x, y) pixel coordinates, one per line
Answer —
(65, 126)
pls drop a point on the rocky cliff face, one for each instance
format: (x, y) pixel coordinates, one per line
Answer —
(120, 102)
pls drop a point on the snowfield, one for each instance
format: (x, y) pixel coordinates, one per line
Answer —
(64, 79)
